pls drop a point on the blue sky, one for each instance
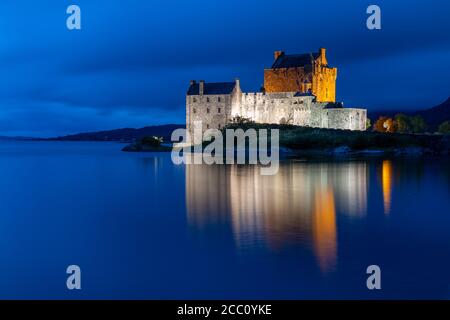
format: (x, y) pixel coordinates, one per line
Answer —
(131, 63)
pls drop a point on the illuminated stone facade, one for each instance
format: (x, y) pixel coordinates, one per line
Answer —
(302, 73)
(285, 99)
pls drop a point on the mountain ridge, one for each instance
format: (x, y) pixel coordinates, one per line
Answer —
(123, 134)
(433, 116)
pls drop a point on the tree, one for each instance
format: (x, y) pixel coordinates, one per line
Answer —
(368, 124)
(378, 125)
(403, 123)
(418, 124)
(390, 125)
(444, 127)
(384, 124)
(152, 141)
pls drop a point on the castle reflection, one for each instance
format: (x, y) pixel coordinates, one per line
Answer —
(298, 206)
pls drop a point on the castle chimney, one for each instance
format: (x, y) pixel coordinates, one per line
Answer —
(201, 87)
(238, 84)
(277, 54)
(323, 55)
(322, 51)
(192, 82)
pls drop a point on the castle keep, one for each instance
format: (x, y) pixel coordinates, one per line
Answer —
(298, 89)
(302, 73)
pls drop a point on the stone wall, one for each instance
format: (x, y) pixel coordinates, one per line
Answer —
(215, 111)
(287, 80)
(346, 118)
(319, 78)
(324, 83)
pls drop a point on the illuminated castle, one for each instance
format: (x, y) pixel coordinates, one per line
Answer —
(302, 73)
(298, 89)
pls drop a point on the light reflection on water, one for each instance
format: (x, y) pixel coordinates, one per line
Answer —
(387, 185)
(142, 227)
(298, 205)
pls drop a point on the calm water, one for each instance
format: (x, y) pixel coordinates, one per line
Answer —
(141, 227)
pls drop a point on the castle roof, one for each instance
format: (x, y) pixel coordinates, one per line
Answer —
(303, 94)
(211, 88)
(295, 60)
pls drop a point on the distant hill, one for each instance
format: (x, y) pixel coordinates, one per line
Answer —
(436, 115)
(16, 138)
(433, 116)
(124, 135)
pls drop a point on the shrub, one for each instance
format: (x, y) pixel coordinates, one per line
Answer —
(152, 141)
(444, 127)
(418, 124)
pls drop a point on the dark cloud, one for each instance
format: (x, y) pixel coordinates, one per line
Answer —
(133, 60)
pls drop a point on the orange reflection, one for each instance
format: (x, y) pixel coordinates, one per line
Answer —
(386, 180)
(324, 229)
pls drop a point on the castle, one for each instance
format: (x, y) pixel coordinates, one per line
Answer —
(298, 89)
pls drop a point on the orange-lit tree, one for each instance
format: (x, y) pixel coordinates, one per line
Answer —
(384, 124)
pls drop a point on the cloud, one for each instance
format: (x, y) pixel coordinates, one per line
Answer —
(135, 58)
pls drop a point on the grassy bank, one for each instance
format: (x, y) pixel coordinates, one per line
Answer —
(304, 138)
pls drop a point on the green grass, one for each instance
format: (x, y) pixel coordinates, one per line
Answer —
(296, 137)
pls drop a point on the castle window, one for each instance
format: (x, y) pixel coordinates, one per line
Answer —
(195, 110)
(218, 110)
(207, 99)
(218, 99)
(195, 100)
(207, 126)
(220, 126)
(207, 110)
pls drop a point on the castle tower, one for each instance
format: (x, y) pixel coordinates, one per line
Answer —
(302, 73)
